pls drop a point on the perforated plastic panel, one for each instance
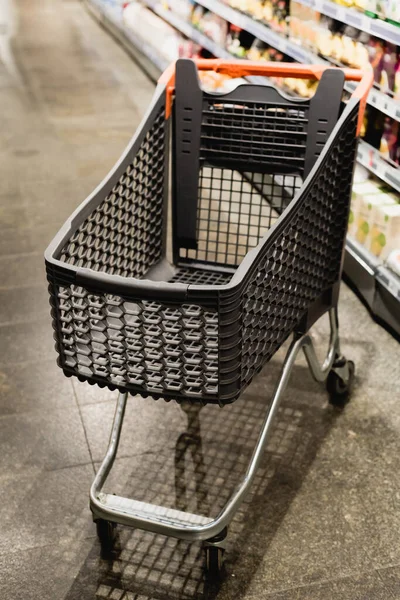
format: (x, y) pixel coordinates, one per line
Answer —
(122, 236)
(302, 262)
(261, 134)
(235, 211)
(145, 346)
(204, 341)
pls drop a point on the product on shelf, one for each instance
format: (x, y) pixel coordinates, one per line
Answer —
(389, 10)
(301, 87)
(359, 192)
(273, 12)
(385, 231)
(372, 7)
(393, 11)
(366, 196)
(280, 13)
(233, 43)
(183, 8)
(213, 26)
(343, 43)
(389, 141)
(383, 9)
(212, 81)
(261, 51)
(393, 261)
(197, 15)
(389, 65)
(154, 32)
(255, 8)
(396, 91)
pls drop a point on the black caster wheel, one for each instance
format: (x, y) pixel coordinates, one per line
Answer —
(339, 389)
(106, 532)
(214, 561)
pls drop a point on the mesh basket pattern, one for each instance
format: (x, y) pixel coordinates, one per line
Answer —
(122, 235)
(235, 211)
(204, 341)
(142, 346)
(258, 133)
(302, 262)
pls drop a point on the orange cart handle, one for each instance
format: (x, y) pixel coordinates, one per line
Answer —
(243, 68)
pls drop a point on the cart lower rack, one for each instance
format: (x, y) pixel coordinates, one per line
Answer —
(259, 187)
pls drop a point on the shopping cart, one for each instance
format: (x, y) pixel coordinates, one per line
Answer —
(259, 187)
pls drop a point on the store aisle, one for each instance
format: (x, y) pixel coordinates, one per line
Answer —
(323, 519)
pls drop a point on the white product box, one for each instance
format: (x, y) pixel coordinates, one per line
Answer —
(385, 230)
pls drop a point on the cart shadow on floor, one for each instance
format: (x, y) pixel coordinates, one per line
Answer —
(199, 475)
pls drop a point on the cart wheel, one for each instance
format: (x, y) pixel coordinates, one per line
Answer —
(214, 561)
(106, 532)
(338, 389)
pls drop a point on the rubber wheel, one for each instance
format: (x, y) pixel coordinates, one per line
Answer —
(214, 561)
(106, 532)
(338, 389)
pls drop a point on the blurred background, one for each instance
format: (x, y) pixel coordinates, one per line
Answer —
(322, 520)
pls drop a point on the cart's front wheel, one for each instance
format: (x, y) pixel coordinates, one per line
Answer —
(340, 382)
(214, 561)
(106, 532)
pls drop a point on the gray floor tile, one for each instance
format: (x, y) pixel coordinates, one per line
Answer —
(9, 175)
(39, 204)
(47, 440)
(391, 578)
(19, 305)
(91, 394)
(24, 240)
(34, 386)
(47, 572)
(360, 587)
(46, 507)
(23, 342)
(147, 426)
(22, 270)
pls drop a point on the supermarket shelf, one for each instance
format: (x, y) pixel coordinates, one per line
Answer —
(378, 286)
(139, 49)
(387, 304)
(379, 100)
(361, 268)
(262, 32)
(368, 156)
(372, 159)
(187, 29)
(390, 281)
(112, 19)
(382, 29)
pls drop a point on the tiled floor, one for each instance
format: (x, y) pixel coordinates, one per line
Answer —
(323, 520)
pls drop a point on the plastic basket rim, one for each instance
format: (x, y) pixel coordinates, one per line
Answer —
(133, 287)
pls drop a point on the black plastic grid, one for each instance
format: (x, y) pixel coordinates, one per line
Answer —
(148, 346)
(209, 348)
(122, 236)
(235, 210)
(200, 277)
(303, 261)
(262, 134)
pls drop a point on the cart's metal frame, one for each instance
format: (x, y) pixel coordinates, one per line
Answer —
(192, 527)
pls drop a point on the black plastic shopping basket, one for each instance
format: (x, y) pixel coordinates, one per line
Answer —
(258, 188)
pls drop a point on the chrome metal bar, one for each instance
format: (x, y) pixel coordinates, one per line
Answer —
(127, 513)
(107, 463)
(321, 373)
